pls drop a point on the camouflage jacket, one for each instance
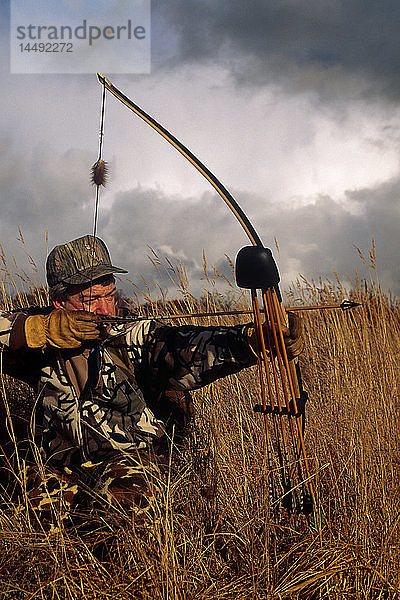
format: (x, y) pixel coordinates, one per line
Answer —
(94, 405)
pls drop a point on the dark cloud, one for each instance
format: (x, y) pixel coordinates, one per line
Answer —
(322, 238)
(309, 43)
(316, 240)
(40, 191)
(143, 220)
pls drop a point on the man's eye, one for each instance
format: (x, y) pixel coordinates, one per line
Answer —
(107, 298)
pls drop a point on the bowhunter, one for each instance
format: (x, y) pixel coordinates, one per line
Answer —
(108, 396)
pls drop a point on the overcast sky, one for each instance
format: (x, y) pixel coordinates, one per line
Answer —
(294, 105)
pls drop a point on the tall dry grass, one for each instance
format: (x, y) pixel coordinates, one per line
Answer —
(213, 537)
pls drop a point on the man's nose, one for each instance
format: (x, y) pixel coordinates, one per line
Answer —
(101, 307)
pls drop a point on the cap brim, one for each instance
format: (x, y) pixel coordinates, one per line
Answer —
(92, 273)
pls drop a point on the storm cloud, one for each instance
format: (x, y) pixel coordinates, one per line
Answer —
(300, 44)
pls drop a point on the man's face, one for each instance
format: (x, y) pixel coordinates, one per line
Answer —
(98, 299)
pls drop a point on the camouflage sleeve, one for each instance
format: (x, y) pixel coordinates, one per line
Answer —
(16, 360)
(190, 357)
(12, 327)
(12, 330)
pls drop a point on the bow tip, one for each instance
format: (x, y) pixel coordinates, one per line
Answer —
(103, 80)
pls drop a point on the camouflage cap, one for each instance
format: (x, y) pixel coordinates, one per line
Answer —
(80, 261)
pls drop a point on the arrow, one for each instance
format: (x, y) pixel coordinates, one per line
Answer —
(345, 305)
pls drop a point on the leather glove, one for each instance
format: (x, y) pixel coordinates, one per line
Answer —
(293, 336)
(61, 329)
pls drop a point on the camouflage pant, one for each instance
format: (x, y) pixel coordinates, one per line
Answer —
(127, 486)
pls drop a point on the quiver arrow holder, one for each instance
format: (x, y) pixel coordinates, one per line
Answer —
(283, 397)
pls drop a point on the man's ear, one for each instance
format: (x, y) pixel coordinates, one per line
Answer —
(58, 304)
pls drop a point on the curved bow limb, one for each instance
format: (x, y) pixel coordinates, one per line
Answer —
(217, 185)
(286, 371)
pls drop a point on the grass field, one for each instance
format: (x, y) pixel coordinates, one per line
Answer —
(213, 536)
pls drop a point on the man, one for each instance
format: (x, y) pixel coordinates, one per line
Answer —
(108, 394)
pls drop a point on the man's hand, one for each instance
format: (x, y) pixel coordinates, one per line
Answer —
(294, 340)
(293, 336)
(61, 329)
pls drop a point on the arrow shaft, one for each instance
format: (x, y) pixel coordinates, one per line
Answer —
(219, 313)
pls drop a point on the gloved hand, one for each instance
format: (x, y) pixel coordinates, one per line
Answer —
(293, 336)
(61, 329)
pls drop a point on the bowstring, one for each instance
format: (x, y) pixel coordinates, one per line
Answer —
(97, 196)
